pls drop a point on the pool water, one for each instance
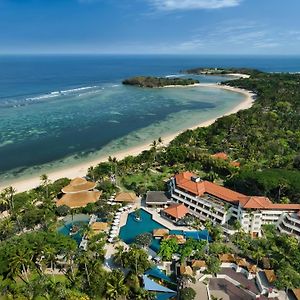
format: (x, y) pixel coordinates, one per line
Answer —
(133, 228)
(78, 220)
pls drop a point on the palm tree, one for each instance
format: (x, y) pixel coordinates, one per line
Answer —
(19, 264)
(7, 197)
(45, 183)
(69, 258)
(50, 255)
(4, 201)
(118, 256)
(7, 228)
(91, 171)
(258, 254)
(83, 258)
(115, 286)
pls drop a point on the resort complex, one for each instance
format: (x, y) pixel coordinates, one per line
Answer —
(145, 228)
(207, 200)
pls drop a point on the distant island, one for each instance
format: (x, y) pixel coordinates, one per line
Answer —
(221, 71)
(157, 82)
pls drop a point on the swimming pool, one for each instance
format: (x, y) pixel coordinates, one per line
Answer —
(133, 228)
(69, 221)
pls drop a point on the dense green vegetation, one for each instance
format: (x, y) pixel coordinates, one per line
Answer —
(221, 71)
(155, 82)
(265, 139)
(282, 251)
(281, 185)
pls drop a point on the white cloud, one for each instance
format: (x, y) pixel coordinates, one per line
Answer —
(170, 5)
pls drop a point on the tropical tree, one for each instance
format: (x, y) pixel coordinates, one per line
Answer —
(19, 264)
(118, 256)
(168, 248)
(45, 184)
(7, 197)
(115, 286)
(187, 293)
(136, 260)
(144, 239)
(213, 265)
(258, 254)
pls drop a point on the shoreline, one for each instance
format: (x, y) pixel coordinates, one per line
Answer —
(80, 169)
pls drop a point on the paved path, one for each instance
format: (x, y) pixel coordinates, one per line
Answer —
(200, 289)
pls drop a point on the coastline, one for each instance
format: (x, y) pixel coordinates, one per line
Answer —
(80, 169)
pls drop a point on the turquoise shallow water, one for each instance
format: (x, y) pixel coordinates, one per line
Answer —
(58, 111)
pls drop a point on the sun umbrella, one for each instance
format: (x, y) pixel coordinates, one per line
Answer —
(110, 240)
(118, 213)
(117, 217)
(121, 209)
(112, 235)
(114, 227)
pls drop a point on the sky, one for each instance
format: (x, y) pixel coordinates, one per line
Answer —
(150, 26)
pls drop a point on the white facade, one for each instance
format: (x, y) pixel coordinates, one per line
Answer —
(220, 211)
(289, 223)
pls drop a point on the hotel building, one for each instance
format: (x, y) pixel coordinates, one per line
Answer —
(207, 200)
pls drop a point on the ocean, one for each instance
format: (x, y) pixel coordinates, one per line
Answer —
(58, 110)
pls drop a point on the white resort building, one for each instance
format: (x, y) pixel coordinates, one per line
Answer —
(207, 200)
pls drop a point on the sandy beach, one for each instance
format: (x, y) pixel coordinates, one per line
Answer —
(81, 169)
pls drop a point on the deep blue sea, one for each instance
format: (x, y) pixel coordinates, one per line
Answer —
(58, 110)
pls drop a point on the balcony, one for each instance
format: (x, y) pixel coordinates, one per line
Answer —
(293, 218)
(289, 226)
(208, 214)
(205, 200)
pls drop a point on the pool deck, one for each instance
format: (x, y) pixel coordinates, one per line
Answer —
(157, 217)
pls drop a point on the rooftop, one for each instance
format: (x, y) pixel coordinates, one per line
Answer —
(80, 199)
(126, 197)
(199, 264)
(78, 185)
(160, 232)
(178, 237)
(227, 257)
(177, 210)
(186, 270)
(160, 197)
(202, 188)
(270, 274)
(296, 293)
(99, 226)
(220, 155)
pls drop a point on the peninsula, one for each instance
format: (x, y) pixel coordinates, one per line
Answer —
(240, 72)
(157, 82)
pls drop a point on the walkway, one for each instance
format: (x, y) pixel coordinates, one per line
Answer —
(200, 289)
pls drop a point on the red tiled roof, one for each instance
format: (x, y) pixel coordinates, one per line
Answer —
(176, 210)
(256, 202)
(183, 180)
(235, 164)
(220, 155)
